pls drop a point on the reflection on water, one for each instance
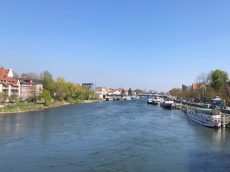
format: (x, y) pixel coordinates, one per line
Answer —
(110, 136)
(10, 124)
(219, 136)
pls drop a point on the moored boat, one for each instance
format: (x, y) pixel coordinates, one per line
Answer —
(206, 117)
(128, 98)
(150, 100)
(156, 100)
(168, 104)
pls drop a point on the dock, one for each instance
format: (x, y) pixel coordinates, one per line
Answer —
(225, 118)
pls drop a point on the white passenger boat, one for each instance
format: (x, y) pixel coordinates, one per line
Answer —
(206, 117)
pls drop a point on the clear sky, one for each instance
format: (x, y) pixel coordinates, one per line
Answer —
(153, 44)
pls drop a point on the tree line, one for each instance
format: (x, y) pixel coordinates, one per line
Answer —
(209, 85)
(61, 90)
(53, 90)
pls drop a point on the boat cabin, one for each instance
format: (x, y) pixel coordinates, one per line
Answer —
(217, 103)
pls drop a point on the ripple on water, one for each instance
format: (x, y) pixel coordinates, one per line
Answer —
(110, 136)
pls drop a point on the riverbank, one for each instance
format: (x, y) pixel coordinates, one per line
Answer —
(28, 107)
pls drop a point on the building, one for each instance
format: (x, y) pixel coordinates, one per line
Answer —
(184, 88)
(109, 91)
(195, 86)
(30, 88)
(89, 86)
(118, 91)
(9, 85)
(102, 92)
(38, 88)
(19, 87)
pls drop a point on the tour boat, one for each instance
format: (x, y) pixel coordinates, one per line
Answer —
(206, 117)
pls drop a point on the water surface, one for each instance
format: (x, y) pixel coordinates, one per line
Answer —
(110, 136)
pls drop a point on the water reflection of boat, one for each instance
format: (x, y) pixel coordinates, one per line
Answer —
(219, 135)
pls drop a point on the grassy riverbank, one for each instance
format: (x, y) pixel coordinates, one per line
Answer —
(27, 107)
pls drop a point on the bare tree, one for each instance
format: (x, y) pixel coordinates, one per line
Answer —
(203, 80)
(226, 93)
(30, 75)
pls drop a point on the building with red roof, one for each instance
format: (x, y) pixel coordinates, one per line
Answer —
(20, 87)
(9, 85)
(101, 91)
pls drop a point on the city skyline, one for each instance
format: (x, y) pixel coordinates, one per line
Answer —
(139, 44)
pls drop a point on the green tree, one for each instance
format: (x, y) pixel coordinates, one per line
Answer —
(218, 79)
(2, 98)
(94, 96)
(47, 81)
(139, 91)
(61, 89)
(122, 92)
(13, 98)
(47, 97)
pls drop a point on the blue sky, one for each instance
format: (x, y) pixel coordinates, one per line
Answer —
(148, 44)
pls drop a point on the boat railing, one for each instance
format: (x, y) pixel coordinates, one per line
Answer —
(210, 112)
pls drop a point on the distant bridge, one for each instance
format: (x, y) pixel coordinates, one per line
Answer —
(144, 95)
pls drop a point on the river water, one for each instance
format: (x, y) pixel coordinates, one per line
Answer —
(110, 136)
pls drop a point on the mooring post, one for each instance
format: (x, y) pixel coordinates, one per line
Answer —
(224, 122)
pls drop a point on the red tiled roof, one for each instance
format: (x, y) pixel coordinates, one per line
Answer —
(7, 79)
(98, 88)
(119, 89)
(3, 72)
(6, 85)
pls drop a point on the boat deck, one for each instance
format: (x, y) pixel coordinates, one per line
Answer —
(225, 118)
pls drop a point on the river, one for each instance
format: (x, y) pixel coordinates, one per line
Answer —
(110, 136)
